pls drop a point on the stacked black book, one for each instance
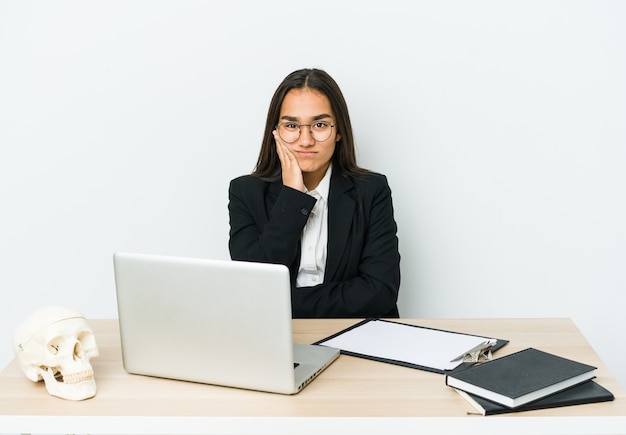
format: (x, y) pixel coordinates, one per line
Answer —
(526, 380)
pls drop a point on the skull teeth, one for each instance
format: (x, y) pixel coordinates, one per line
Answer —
(76, 378)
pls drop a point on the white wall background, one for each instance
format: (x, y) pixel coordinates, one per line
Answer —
(501, 127)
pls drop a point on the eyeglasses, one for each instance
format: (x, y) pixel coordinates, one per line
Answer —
(290, 132)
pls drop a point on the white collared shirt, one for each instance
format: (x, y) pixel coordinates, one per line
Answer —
(314, 238)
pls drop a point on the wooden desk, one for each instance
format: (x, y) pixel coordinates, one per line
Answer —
(353, 395)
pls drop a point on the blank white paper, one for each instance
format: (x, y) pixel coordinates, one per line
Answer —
(416, 345)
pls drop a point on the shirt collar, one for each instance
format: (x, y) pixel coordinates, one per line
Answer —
(324, 186)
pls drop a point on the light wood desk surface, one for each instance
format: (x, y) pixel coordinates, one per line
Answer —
(353, 395)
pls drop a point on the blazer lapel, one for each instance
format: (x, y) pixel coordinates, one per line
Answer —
(272, 196)
(275, 188)
(341, 206)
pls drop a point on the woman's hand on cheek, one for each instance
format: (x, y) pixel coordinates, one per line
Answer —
(291, 172)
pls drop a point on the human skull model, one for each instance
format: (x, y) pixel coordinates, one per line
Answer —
(55, 344)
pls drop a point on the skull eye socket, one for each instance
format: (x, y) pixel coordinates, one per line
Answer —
(54, 345)
(61, 344)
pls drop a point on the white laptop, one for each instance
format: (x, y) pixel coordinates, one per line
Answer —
(212, 321)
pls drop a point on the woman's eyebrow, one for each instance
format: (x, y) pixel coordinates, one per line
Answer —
(314, 118)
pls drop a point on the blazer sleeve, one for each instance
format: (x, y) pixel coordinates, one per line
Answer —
(266, 220)
(366, 281)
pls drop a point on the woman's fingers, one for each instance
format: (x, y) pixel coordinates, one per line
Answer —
(291, 172)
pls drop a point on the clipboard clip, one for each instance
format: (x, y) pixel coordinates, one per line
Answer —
(479, 353)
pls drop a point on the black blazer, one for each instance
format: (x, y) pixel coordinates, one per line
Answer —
(362, 276)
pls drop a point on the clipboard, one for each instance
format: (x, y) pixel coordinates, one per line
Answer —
(413, 346)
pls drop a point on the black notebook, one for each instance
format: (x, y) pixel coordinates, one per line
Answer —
(521, 377)
(587, 392)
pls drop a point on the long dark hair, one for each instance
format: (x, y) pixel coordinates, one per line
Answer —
(344, 158)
